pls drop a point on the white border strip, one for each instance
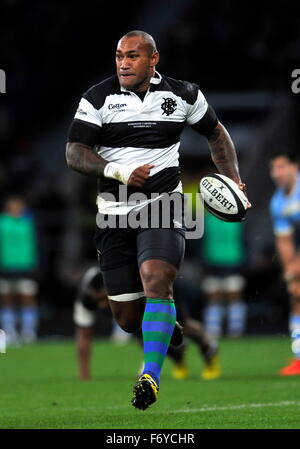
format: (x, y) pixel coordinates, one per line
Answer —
(127, 296)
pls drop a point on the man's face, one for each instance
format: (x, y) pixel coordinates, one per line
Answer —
(283, 172)
(15, 207)
(135, 63)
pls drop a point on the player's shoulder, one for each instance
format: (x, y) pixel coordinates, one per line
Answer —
(186, 90)
(97, 94)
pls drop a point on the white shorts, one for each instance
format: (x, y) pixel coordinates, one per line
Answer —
(20, 286)
(226, 284)
(82, 316)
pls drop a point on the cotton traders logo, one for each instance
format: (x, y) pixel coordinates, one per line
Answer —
(168, 106)
(117, 107)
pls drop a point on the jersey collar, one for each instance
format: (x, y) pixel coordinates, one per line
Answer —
(154, 81)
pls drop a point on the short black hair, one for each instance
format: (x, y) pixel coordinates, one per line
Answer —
(289, 154)
(148, 39)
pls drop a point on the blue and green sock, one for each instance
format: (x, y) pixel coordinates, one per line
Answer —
(157, 327)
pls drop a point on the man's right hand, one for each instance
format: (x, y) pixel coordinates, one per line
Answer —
(140, 175)
(133, 174)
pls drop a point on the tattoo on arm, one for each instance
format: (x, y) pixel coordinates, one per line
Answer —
(84, 159)
(223, 153)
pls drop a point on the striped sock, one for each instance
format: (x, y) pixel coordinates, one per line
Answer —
(236, 318)
(213, 320)
(29, 320)
(157, 327)
(9, 319)
(294, 325)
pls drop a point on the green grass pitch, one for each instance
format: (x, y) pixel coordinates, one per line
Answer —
(39, 389)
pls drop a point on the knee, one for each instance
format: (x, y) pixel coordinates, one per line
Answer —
(158, 281)
(129, 324)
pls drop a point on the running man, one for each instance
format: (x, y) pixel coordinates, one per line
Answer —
(126, 132)
(285, 211)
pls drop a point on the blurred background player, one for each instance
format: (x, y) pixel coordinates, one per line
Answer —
(223, 256)
(285, 211)
(18, 265)
(92, 297)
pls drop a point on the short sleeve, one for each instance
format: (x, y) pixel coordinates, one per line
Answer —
(281, 225)
(197, 110)
(87, 113)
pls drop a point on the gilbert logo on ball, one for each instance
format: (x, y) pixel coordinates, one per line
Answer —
(223, 198)
(2, 342)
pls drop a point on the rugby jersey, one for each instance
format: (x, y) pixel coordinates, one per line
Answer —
(285, 211)
(145, 131)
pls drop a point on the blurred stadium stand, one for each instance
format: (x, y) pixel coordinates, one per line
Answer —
(242, 59)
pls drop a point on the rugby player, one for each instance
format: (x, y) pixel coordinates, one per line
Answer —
(126, 131)
(285, 211)
(91, 296)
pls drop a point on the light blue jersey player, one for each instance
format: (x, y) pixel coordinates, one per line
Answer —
(285, 211)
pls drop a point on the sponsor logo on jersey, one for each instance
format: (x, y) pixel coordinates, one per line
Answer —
(117, 106)
(81, 111)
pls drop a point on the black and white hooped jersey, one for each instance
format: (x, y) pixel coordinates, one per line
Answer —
(128, 130)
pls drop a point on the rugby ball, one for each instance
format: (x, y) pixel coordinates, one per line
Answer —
(223, 198)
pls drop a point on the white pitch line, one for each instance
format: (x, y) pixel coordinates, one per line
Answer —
(237, 407)
(207, 408)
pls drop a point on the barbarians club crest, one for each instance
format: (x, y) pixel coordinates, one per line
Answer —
(168, 106)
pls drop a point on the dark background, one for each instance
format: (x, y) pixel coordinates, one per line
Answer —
(242, 57)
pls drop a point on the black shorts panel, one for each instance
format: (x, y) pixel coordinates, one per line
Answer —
(163, 244)
(116, 247)
(126, 279)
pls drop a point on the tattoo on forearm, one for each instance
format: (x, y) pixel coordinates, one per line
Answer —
(223, 153)
(84, 159)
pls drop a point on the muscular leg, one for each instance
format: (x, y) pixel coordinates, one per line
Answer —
(128, 314)
(158, 277)
(160, 313)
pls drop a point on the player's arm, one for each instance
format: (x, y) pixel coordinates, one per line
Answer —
(81, 150)
(290, 260)
(204, 120)
(285, 249)
(223, 152)
(284, 237)
(83, 159)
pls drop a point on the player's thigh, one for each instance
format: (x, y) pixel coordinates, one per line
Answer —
(166, 245)
(118, 262)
